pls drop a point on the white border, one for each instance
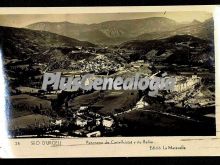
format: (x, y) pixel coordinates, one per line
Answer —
(75, 147)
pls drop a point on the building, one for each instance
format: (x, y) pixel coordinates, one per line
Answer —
(107, 122)
(83, 108)
(27, 90)
(81, 122)
(58, 122)
(141, 104)
(184, 83)
(98, 121)
(94, 134)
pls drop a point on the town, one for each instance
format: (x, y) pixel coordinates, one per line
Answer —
(187, 110)
(90, 113)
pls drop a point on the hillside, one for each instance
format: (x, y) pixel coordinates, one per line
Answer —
(41, 46)
(179, 49)
(116, 32)
(203, 30)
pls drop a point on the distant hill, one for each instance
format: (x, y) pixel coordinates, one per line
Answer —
(110, 32)
(203, 30)
(41, 46)
(179, 49)
(61, 51)
(116, 32)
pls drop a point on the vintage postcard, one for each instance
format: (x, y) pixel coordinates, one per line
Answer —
(109, 81)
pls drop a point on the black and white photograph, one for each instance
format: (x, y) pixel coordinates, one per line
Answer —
(86, 75)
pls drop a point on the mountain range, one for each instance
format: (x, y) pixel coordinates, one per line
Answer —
(52, 48)
(116, 32)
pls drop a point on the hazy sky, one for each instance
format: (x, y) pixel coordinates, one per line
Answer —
(24, 20)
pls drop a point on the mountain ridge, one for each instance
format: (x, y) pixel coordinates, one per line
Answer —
(123, 30)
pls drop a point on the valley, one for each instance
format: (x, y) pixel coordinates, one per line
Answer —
(189, 110)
